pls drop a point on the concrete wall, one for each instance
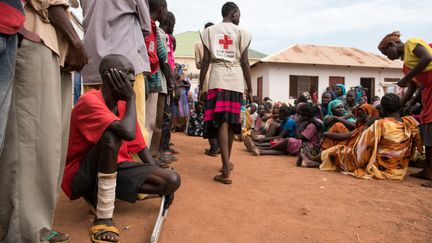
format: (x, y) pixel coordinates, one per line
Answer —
(262, 70)
(276, 77)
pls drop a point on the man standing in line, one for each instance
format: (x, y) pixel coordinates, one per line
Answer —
(199, 54)
(12, 21)
(168, 83)
(117, 27)
(32, 162)
(154, 84)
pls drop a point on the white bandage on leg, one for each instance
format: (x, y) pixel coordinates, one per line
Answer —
(106, 195)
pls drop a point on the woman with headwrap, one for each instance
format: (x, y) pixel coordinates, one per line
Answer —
(383, 150)
(326, 98)
(340, 92)
(323, 107)
(337, 122)
(417, 58)
(350, 101)
(364, 114)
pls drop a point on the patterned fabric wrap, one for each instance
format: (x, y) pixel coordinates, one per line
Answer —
(196, 124)
(222, 106)
(382, 151)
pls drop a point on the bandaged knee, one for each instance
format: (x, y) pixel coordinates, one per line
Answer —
(106, 195)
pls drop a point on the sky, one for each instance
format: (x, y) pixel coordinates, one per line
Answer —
(278, 24)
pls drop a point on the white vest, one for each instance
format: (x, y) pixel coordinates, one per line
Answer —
(226, 43)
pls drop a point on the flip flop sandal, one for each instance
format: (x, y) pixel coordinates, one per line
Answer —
(427, 184)
(165, 159)
(174, 151)
(222, 179)
(99, 229)
(62, 238)
(171, 157)
(142, 196)
(161, 164)
(208, 152)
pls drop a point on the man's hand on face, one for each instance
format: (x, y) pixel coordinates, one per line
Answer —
(120, 84)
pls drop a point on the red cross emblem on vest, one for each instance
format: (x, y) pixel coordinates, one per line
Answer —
(225, 42)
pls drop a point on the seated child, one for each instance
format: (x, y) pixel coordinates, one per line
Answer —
(287, 128)
(307, 135)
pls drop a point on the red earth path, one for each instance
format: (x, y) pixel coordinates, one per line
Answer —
(270, 200)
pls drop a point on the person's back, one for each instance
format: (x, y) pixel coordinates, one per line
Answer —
(383, 150)
(390, 157)
(226, 43)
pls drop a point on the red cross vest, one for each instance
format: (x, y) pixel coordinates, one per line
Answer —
(226, 43)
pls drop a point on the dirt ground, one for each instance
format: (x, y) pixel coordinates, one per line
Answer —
(270, 200)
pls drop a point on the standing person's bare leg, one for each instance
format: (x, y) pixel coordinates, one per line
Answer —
(426, 173)
(223, 138)
(230, 140)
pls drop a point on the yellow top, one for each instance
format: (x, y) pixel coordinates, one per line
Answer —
(410, 59)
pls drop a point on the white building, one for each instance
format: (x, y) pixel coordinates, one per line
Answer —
(286, 74)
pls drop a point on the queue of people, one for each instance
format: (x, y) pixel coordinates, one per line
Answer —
(113, 143)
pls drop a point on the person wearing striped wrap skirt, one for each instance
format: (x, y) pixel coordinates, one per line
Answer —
(226, 49)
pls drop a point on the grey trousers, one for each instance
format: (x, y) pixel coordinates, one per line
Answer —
(157, 131)
(32, 162)
(8, 47)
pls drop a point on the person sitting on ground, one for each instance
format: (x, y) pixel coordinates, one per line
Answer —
(376, 100)
(337, 122)
(251, 117)
(417, 57)
(269, 122)
(383, 150)
(308, 133)
(282, 129)
(340, 92)
(258, 122)
(323, 107)
(104, 133)
(267, 99)
(288, 129)
(362, 100)
(350, 101)
(196, 121)
(365, 114)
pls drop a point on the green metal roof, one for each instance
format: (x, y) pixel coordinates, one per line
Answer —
(187, 40)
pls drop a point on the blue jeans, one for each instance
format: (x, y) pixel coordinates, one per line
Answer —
(8, 48)
(77, 86)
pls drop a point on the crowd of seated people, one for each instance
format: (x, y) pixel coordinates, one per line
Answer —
(342, 133)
